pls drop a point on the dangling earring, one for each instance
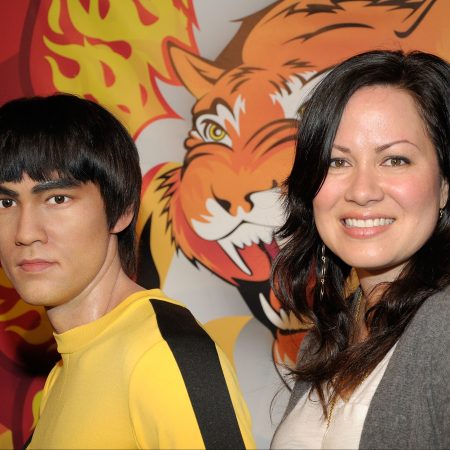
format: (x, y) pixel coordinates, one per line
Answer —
(441, 213)
(323, 271)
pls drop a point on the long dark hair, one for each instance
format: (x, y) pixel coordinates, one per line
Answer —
(335, 359)
(80, 140)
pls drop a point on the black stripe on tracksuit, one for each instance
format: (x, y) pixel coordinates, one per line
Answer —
(196, 355)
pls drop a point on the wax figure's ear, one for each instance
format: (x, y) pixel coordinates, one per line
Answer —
(444, 193)
(123, 221)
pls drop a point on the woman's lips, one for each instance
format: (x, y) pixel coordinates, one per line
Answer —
(366, 228)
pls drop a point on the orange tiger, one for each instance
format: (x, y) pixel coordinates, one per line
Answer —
(220, 206)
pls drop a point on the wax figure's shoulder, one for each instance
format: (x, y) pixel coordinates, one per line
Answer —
(187, 379)
(164, 338)
(149, 318)
(141, 317)
(164, 331)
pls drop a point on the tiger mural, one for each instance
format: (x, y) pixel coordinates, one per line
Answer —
(217, 208)
(220, 206)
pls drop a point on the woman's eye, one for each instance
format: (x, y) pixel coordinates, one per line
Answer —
(6, 203)
(396, 161)
(58, 199)
(337, 163)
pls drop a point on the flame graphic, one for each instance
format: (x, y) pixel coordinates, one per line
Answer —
(113, 51)
(28, 323)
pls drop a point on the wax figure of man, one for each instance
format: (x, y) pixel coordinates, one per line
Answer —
(137, 371)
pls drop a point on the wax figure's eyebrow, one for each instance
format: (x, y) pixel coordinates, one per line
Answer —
(377, 149)
(60, 183)
(8, 192)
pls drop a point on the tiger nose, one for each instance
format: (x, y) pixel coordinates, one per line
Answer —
(231, 206)
(233, 200)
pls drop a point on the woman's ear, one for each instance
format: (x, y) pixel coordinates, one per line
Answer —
(123, 221)
(444, 193)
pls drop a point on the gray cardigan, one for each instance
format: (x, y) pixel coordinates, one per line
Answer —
(411, 406)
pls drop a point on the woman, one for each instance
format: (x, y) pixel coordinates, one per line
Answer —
(369, 190)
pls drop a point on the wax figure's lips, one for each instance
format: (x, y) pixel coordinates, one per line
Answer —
(35, 265)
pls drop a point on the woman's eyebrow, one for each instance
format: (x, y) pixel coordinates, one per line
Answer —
(379, 148)
(342, 149)
(390, 144)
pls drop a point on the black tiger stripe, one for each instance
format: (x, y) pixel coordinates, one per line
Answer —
(199, 364)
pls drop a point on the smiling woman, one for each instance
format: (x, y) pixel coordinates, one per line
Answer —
(369, 191)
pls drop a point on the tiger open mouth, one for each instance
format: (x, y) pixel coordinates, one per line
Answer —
(247, 244)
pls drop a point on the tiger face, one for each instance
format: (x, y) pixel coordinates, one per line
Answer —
(239, 152)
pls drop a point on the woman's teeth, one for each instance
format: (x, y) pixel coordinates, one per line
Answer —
(368, 223)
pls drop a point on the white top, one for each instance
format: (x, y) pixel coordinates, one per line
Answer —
(306, 427)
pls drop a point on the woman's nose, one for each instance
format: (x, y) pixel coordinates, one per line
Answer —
(364, 186)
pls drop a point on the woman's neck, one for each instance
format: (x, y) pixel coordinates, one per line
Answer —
(373, 282)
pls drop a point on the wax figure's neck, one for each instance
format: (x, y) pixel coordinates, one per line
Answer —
(110, 287)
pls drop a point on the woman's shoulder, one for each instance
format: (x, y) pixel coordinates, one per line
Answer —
(431, 322)
(436, 308)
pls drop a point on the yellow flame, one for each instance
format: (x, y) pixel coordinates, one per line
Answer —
(53, 17)
(122, 23)
(6, 440)
(41, 331)
(4, 281)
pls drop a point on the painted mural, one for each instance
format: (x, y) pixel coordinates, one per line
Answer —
(211, 92)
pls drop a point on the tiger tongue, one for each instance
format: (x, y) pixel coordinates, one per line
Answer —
(257, 260)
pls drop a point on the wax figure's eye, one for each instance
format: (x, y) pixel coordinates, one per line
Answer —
(58, 199)
(6, 203)
(396, 161)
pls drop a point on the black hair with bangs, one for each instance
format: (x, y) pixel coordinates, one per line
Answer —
(79, 140)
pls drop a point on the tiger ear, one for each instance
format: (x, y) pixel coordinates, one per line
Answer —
(197, 74)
